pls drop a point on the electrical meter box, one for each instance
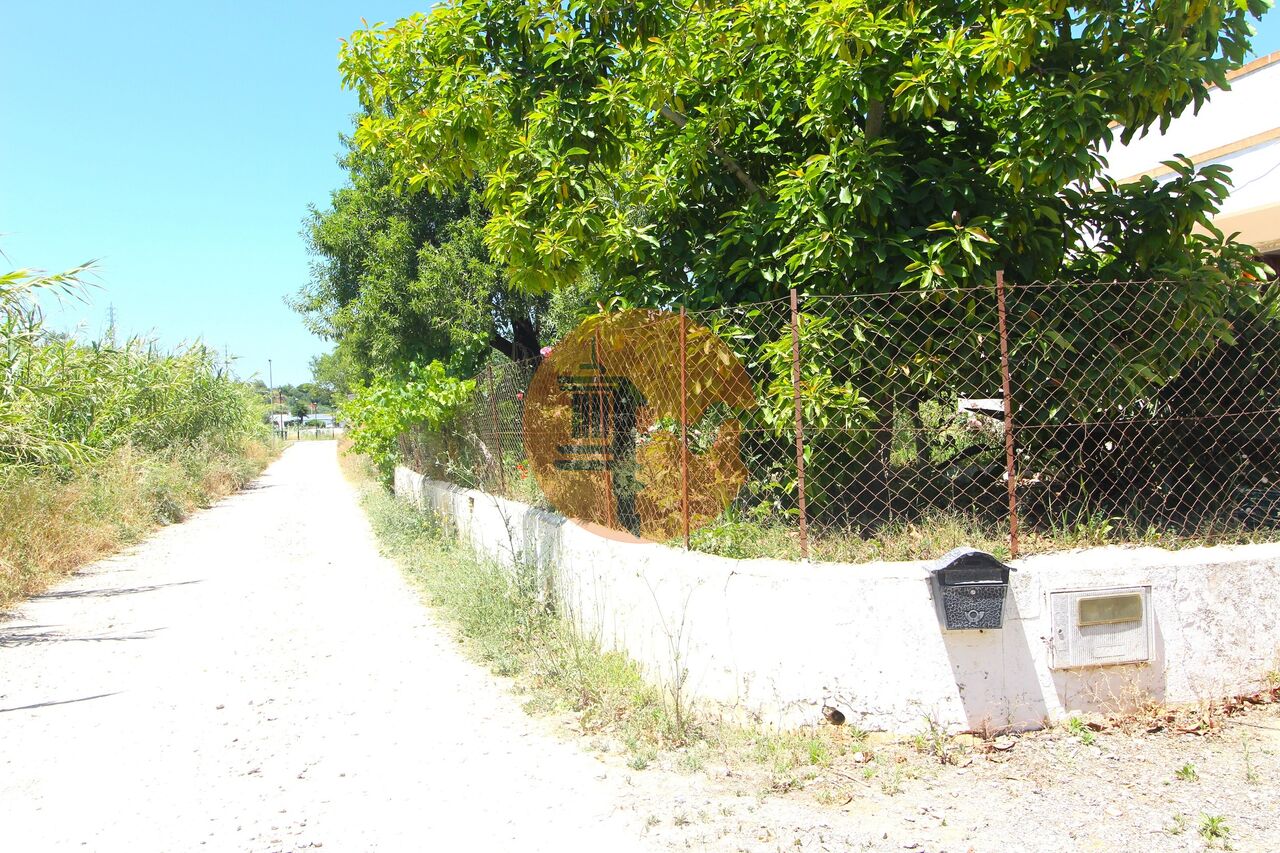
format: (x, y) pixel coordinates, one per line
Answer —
(1099, 627)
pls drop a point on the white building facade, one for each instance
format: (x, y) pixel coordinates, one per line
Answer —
(1240, 128)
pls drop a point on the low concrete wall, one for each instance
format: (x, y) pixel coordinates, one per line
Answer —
(776, 639)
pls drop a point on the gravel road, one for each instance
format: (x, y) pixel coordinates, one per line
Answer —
(259, 678)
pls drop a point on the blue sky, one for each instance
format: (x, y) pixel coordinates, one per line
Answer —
(181, 144)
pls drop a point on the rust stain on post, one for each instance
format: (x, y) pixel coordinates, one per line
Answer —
(1009, 459)
(497, 436)
(604, 429)
(684, 425)
(795, 387)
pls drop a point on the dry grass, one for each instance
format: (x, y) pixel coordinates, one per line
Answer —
(50, 526)
(357, 468)
(733, 535)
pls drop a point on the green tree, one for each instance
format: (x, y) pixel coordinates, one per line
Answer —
(721, 153)
(330, 374)
(401, 277)
(317, 394)
(705, 153)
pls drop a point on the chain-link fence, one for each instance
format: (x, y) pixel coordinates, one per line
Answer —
(1019, 416)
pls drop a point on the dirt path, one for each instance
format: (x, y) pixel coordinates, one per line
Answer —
(258, 678)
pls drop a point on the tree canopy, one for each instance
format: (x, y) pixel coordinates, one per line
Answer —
(721, 153)
(330, 375)
(403, 277)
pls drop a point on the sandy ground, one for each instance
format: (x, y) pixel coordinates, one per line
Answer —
(260, 679)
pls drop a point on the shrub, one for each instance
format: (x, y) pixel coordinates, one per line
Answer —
(379, 413)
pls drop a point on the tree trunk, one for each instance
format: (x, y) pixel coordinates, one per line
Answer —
(523, 344)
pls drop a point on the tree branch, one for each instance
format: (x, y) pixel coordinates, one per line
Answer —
(875, 120)
(729, 163)
(502, 345)
(523, 345)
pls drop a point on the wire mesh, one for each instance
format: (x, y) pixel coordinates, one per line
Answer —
(1138, 411)
(1147, 411)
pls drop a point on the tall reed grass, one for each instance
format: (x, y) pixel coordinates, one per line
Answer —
(101, 441)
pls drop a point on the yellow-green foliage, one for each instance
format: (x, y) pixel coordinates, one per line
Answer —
(64, 402)
(379, 413)
(101, 441)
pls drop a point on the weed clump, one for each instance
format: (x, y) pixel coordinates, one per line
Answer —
(511, 623)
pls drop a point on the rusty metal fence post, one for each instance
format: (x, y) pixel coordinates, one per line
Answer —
(602, 400)
(497, 435)
(684, 424)
(795, 387)
(1009, 457)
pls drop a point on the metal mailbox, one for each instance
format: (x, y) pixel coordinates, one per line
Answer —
(969, 587)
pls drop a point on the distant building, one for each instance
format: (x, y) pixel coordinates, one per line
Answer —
(1239, 128)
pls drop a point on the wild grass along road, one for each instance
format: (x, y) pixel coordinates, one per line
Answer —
(259, 678)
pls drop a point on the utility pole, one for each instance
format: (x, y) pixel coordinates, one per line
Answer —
(272, 382)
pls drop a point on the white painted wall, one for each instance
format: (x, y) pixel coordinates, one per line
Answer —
(1255, 175)
(776, 640)
(1247, 109)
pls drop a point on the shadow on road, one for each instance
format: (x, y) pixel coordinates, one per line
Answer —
(31, 635)
(58, 702)
(108, 593)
